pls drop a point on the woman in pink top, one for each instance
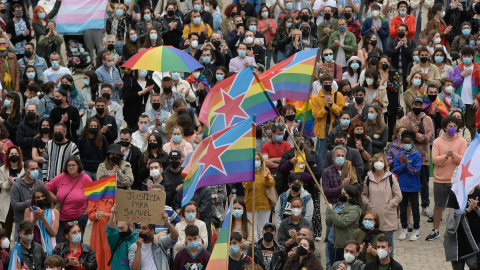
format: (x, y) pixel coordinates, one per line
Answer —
(268, 27)
(75, 203)
(178, 143)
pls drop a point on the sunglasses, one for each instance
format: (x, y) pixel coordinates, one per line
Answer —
(71, 223)
(327, 54)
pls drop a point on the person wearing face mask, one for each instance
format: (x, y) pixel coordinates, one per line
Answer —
(367, 234)
(148, 17)
(157, 115)
(344, 121)
(93, 147)
(290, 226)
(66, 114)
(284, 208)
(173, 23)
(237, 259)
(108, 73)
(353, 71)
(304, 257)
(383, 260)
(74, 252)
(302, 40)
(32, 58)
(4, 246)
(415, 90)
(120, 237)
(210, 57)
(378, 26)
(448, 94)
(109, 42)
(107, 123)
(403, 18)
(131, 154)
(177, 142)
(197, 25)
(170, 178)
(181, 86)
(56, 71)
(253, 47)
(431, 107)
(418, 122)
(343, 44)
(194, 255)
(33, 255)
(429, 71)
(437, 22)
(268, 253)
(351, 254)
(18, 27)
(120, 20)
(328, 26)
(242, 61)
(27, 130)
(190, 216)
(114, 164)
(273, 150)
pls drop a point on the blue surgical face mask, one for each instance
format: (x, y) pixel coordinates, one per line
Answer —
(258, 163)
(402, 13)
(355, 66)
(264, 14)
(55, 64)
(143, 73)
(252, 28)
(193, 244)
(279, 138)
(368, 224)
(206, 60)
(41, 15)
(190, 216)
(175, 76)
(289, 5)
(467, 60)
(417, 82)
(242, 53)
(416, 58)
(119, 12)
(407, 147)
(86, 82)
(443, 14)
(147, 17)
(438, 59)
(219, 77)
(237, 213)
(288, 24)
(31, 75)
(371, 116)
(177, 138)
(153, 36)
(197, 7)
(33, 174)
(197, 21)
(339, 161)
(7, 103)
(77, 238)
(466, 32)
(127, 2)
(234, 249)
(345, 122)
(133, 38)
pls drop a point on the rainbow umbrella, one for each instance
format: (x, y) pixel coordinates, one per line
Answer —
(163, 59)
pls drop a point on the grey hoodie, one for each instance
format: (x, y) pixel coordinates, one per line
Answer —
(20, 197)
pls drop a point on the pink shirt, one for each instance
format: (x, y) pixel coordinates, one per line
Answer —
(76, 203)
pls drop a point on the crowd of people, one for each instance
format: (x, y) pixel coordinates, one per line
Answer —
(395, 92)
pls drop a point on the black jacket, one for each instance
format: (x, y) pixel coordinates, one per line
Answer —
(132, 157)
(73, 120)
(209, 70)
(203, 198)
(455, 18)
(87, 258)
(172, 37)
(375, 263)
(134, 104)
(26, 131)
(171, 181)
(36, 259)
(281, 183)
(10, 29)
(143, 171)
(278, 259)
(12, 124)
(405, 53)
(282, 39)
(112, 131)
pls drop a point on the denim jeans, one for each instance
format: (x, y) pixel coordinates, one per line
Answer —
(322, 147)
(281, 56)
(389, 234)
(424, 179)
(330, 254)
(269, 59)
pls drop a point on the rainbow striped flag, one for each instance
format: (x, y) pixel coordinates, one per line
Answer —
(443, 107)
(219, 257)
(227, 156)
(75, 16)
(234, 99)
(300, 107)
(15, 258)
(292, 77)
(102, 189)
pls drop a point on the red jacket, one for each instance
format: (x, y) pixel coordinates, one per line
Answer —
(409, 21)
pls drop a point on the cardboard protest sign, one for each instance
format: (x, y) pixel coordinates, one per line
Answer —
(140, 206)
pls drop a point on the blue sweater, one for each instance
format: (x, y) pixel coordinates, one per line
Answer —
(91, 155)
(408, 175)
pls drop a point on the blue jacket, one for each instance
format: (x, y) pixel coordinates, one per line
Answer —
(282, 203)
(456, 102)
(408, 175)
(104, 76)
(120, 257)
(45, 106)
(40, 65)
(384, 31)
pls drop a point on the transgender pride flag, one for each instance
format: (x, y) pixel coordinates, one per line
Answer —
(75, 16)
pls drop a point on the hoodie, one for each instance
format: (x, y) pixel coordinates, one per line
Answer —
(408, 175)
(443, 169)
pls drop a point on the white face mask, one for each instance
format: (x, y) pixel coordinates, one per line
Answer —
(437, 40)
(349, 258)
(207, 9)
(249, 40)
(296, 211)
(369, 81)
(155, 173)
(196, 74)
(382, 253)
(449, 89)
(375, 13)
(378, 165)
(5, 243)
(194, 44)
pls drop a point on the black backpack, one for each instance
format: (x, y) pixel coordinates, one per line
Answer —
(49, 49)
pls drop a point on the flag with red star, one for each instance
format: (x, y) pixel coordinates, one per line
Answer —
(235, 99)
(468, 174)
(227, 156)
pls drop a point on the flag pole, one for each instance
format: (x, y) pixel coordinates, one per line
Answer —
(309, 92)
(253, 225)
(229, 232)
(306, 163)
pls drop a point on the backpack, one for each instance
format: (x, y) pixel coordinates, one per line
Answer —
(49, 48)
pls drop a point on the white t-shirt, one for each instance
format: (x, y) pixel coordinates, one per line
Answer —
(51, 75)
(317, 86)
(319, 4)
(467, 91)
(147, 257)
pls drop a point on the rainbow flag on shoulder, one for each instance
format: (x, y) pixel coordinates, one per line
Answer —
(102, 189)
(443, 107)
(301, 109)
(226, 157)
(219, 257)
(292, 77)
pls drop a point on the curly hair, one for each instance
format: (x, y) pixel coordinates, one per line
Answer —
(7, 162)
(351, 130)
(228, 10)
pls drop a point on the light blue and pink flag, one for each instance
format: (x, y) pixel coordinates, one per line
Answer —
(75, 16)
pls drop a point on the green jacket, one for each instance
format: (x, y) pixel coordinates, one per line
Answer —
(350, 43)
(345, 223)
(358, 235)
(323, 38)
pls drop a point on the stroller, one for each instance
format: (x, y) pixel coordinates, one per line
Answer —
(77, 54)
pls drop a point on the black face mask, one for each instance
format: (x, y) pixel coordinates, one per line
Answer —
(359, 100)
(305, 18)
(92, 130)
(110, 47)
(124, 143)
(143, 236)
(424, 59)
(31, 116)
(106, 95)
(100, 110)
(302, 251)
(342, 198)
(417, 111)
(125, 234)
(305, 33)
(174, 164)
(432, 98)
(385, 66)
(66, 86)
(115, 160)
(373, 43)
(347, 15)
(234, 14)
(358, 136)
(290, 117)
(3, 11)
(156, 106)
(374, 61)
(170, 13)
(217, 43)
(28, 53)
(41, 203)
(296, 187)
(14, 158)
(58, 102)
(167, 90)
(239, 24)
(401, 34)
(45, 130)
(268, 236)
(181, 112)
(339, 143)
(327, 16)
(327, 88)
(58, 137)
(152, 145)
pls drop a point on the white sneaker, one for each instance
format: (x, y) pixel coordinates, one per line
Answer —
(427, 212)
(415, 235)
(403, 234)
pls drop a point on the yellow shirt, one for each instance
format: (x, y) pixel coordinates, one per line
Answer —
(192, 28)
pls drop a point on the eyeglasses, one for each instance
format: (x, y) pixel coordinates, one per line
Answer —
(71, 165)
(71, 223)
(327, 54)
(369, 219)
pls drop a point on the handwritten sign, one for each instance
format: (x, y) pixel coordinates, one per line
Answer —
(140, 206)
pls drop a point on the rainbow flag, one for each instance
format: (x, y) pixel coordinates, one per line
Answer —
(234, 99)
(102, 189)
(300, 107)
(76, 16)
(201, 79)
(219, 257)
(292, 77)
(443, 107)
(15, 258)
(227, 156)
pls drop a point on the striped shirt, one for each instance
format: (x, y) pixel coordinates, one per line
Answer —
(55, 156)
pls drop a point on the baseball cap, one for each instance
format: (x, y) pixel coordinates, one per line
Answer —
(271, 225)
(417, 99)
(175, 154)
